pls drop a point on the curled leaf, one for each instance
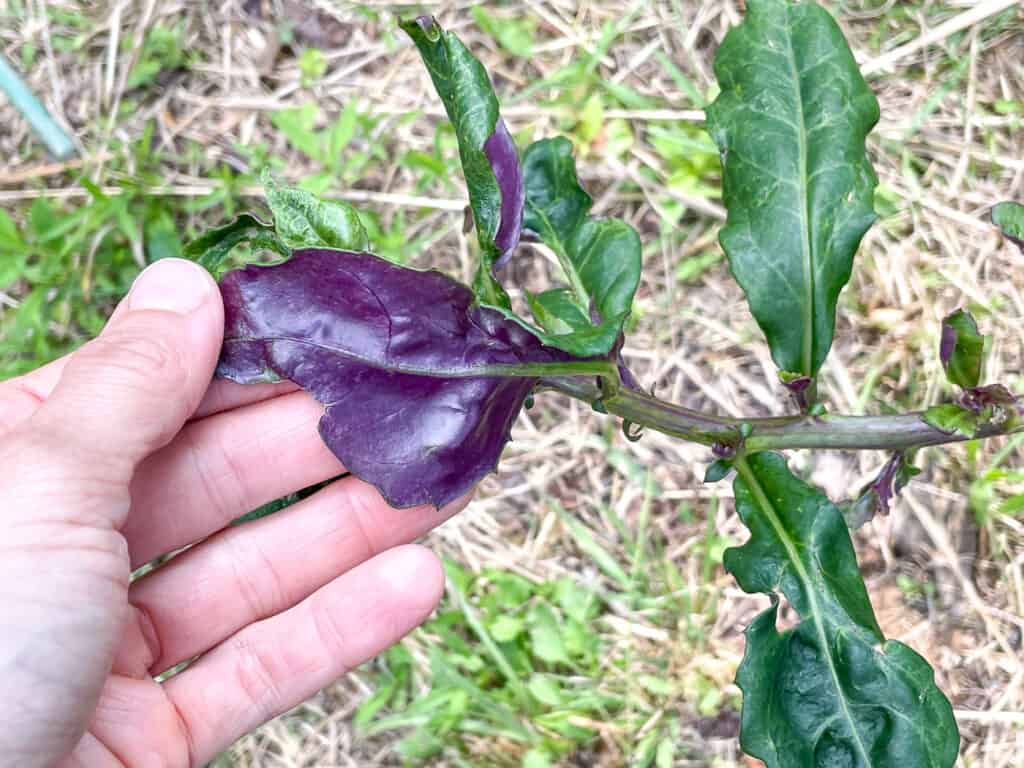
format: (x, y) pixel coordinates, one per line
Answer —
(632, 432)
(213, 248)
(490, 161)
(875, 499)
(303, 220)
(801, 388)
(504, 159)
(975, 410)
(421, 387)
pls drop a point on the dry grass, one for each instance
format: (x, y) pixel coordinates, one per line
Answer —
(943, 156)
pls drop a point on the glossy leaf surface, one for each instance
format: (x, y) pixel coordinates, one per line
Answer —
(790, 125)
(831, 691)
(961, 349)
(420, 386)
(489, 157)
(303, 220)
(1009, 217)
(599, 258)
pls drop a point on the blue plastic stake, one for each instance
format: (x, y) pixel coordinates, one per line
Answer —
(46, 128)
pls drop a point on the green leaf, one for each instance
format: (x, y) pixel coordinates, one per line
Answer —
(302, 220)
(717, 470)
(211, 249)
(954, 419)
(1009, 217)
(961, 349)
(831, 691)
(506, 628)
(546, 636)
(468, 97)
(298, 124)
(790, 124)
(545, 690)
(599, 258)
(515, 35)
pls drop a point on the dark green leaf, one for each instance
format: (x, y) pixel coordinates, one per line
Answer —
(489, 158)
(1009, 217)
(211, 249)
(831, 691)
(790, 124)
(600, 258)
(717, 470)
(303, 220)
(961, 349)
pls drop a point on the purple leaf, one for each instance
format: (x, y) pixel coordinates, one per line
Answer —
(978, 399)
(799, 387)
(947, 343)
(391, 352)
(504, 159)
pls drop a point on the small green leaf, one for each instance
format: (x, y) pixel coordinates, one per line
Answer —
(961, 349)
(599, 258)
(1009, 217)
(515, 35)
(790, 125)
(717, 470)
(211, 249)
(506, 628)
(954, 419)
(831, 691)
(298, 124)
(302, 220)
(312, 66)
(546, 636)
(545, 690)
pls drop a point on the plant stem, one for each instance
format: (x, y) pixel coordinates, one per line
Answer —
(896, 432)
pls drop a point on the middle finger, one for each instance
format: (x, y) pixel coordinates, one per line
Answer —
(257, 570)
(222, 467)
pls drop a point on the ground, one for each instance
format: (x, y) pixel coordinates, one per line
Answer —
(588, 621)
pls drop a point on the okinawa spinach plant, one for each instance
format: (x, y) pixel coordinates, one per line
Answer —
(422, 377)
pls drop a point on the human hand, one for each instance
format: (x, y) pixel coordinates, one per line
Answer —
(123, 451)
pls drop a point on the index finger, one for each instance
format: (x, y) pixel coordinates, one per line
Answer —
(22, 395)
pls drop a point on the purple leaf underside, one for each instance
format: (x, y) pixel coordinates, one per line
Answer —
(374, 341)
(501, 153)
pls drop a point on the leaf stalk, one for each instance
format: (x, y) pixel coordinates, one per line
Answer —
(841, 432)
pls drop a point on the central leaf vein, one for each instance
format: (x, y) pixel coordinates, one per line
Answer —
(770, 514)
(805, 235)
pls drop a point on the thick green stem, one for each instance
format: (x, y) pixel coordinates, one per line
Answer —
(907, 430)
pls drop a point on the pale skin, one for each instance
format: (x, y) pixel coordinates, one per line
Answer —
(124, 451)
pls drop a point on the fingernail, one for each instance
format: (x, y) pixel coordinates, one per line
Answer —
(170, 285)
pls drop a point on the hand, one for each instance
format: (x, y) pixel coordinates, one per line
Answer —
(123, 451)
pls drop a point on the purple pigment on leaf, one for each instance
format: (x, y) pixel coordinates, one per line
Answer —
(501, 153)
(947, 343)
(378, 344)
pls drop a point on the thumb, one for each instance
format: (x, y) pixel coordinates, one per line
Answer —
(130, 390)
